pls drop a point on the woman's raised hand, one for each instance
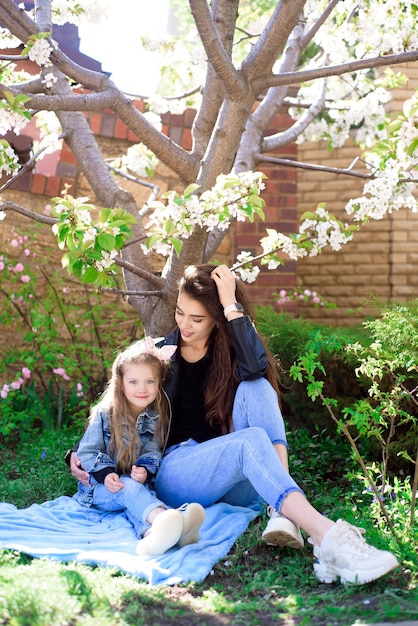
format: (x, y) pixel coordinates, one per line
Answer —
(225, 283)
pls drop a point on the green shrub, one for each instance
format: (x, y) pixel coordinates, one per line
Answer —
(287, 337)
(65, 340)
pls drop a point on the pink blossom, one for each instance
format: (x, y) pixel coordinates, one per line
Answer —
(25, 278)
(47, 209)
(14, 243)
(282, 293)
(60, 371)
(19, 267)
(26, 372)
(27, 252)
(2, 266)
(3, 393)
(15, 384)
(80, 393)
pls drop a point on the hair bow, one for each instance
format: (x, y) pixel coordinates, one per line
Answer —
(163, 354)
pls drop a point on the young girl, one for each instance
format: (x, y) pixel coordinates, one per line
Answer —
(122, 448)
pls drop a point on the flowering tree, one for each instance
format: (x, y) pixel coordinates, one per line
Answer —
(250, 58)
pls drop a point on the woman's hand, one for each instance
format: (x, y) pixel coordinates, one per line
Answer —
(225, 283)
(113, 483)
(139, 474)
(77, 471)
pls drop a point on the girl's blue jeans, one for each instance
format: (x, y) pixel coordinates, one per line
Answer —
(237, 468)
(135, 499)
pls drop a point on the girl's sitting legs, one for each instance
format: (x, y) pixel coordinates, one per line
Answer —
(161, 527)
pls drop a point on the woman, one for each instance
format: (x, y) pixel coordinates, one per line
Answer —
(227, 438)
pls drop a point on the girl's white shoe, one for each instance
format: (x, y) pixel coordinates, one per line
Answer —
(165, 532)
(193, 516)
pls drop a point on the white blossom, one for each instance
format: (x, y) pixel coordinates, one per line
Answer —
(49, 80)
(11, 120)
(107, 260)
(40, 52)
(89, 236)
(74, 12)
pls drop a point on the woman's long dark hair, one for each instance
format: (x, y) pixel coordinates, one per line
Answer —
(222, 382)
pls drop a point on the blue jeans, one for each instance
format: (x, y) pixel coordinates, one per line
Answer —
(135, 499)
(237, 468)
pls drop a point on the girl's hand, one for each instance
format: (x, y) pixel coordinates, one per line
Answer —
(225, 283)
(113, 482)
(139, 474)
(77, 471)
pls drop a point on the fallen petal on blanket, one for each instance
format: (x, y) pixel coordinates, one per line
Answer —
(165, 532)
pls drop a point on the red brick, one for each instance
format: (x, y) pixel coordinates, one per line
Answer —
(132, 137)
(177, 119)
(139, 104)
(121, 131)
(38, 183)
(67, 156)
(187, 139)
(53, 186)
(95, 120)
(189, 116)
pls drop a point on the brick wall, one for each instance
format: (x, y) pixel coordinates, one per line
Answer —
(50, 176)
(381, 261)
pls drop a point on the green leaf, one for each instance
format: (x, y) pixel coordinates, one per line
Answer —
(177, 244)
(106, 242)
(90, 275)
(190, 189)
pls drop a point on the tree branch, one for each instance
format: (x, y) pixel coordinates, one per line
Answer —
(217, 56)
(319, 22)
(292, 78)
(272, 42)
(43, 15)
(291, 134)
(261, 158)
(124, 292)
(12, 206)
(151, 278)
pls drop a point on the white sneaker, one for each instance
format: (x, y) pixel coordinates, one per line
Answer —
(281, 531)
(193, 515)
(344, 553)
(164, 533)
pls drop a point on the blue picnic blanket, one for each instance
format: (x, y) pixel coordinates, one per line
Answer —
(64, 530)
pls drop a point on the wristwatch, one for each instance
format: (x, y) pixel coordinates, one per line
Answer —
(233, 307)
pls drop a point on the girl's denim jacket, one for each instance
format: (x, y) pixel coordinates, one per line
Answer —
(95, 455)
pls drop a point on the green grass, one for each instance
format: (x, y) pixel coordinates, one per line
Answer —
(254, 584)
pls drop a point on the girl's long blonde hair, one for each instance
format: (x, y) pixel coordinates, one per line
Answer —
(124, 437)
